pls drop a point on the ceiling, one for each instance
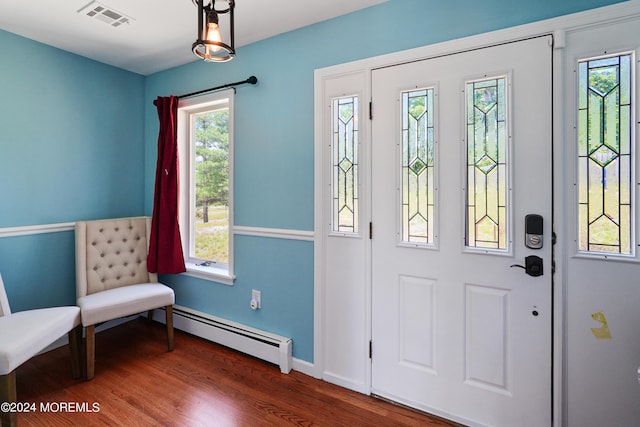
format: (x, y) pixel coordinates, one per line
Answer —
(160, 32)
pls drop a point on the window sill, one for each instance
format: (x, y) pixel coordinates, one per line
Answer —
(212, 273)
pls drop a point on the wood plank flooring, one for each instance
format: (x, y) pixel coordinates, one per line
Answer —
(138, 383)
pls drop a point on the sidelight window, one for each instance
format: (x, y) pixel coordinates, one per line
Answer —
(345, 163)
(604, 154)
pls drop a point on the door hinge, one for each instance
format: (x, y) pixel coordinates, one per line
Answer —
(370, 230)
(370, 110)
(370, 349)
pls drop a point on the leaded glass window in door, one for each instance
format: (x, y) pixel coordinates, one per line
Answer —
(605, 166)
(487, 164)
(418, 166)
(345, 177)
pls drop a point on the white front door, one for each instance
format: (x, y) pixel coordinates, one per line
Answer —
(461, 154)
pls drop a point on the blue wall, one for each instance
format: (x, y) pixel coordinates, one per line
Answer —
(71, 147)
(274, 141)
(78, 141)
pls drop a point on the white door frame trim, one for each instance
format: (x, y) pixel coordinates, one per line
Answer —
(556, 26)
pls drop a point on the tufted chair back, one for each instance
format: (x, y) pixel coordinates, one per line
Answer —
(112, 253)
(4, 301)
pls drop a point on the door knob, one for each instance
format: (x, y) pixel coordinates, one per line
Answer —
(532, 265)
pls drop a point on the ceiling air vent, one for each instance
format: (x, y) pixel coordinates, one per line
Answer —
(106, 14)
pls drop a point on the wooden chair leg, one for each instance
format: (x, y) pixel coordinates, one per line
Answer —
(8, 394)
(90, 349)
(150, 315)
(75, 337)
(169, 321)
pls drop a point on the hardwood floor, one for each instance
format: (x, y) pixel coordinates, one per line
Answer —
(138, 383)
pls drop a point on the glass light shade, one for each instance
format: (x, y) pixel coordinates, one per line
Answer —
(210, 45)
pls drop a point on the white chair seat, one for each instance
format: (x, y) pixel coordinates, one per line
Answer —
(25, 333)
(123, 301)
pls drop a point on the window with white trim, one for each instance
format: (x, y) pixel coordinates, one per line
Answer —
(205, 139)
(345, 163)
(605, 146)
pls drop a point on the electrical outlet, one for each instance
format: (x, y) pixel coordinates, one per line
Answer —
(256, 299)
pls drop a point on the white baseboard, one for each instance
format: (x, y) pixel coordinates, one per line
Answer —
(255, 342)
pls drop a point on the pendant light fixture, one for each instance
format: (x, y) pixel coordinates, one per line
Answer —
(210, 45)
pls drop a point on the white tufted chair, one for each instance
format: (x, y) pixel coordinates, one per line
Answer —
(25, 334)
(112, 280)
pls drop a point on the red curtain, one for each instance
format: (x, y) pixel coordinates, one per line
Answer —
(165, 247)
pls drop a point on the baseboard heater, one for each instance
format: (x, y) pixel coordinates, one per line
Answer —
(263, 345)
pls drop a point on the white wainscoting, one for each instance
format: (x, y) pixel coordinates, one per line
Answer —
(27, 230)
(276, 233)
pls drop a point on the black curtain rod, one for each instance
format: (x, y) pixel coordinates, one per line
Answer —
(251, 80)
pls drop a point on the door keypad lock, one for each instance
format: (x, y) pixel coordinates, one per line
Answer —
(532, 265)
(533, 234)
